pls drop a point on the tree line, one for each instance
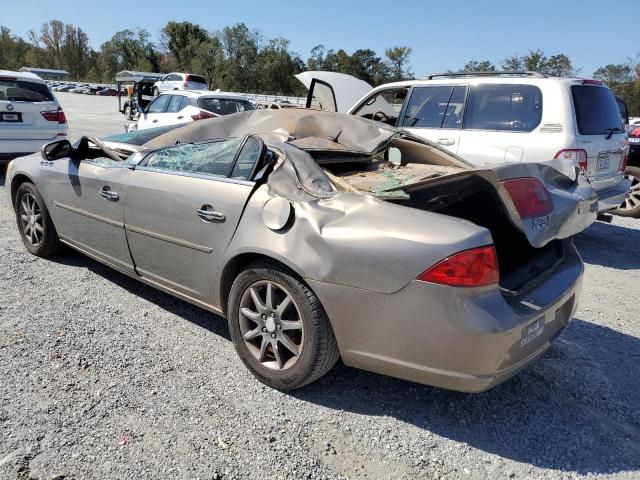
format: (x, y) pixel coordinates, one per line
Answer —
(237, 58)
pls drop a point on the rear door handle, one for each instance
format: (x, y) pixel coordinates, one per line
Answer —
(155, 121)
(446, 141)
(180, 117)
(109, 194)
(208, 214)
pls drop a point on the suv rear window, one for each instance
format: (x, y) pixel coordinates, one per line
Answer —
(196, 79)
(514, 108)
(596, 110)
(24, 91)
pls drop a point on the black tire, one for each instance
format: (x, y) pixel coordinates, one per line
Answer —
(156, 91)
(41, 240)
(627, 209)
(319, 350)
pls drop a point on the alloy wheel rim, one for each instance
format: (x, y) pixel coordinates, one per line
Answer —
(271, 325)
(31, 219)
(632, 200)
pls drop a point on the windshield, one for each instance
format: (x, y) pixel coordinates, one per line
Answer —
(24, 91)
(597, 112)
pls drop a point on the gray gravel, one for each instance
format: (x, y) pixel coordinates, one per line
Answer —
(103, 377)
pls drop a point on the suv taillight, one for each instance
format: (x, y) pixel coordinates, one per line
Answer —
(477, 267)
(55, 116)
(530, 197)
(202, 115)
(578, 156)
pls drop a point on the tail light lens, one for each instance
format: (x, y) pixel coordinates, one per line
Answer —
(577, 156)
(477, 267)
(55, 116)
(530, 197)
(202, 115)
(625, 162)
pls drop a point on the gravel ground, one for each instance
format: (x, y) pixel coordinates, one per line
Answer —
(103, 377)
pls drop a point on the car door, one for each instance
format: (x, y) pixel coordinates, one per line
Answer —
(435, 112)
(182, 209)
(333, 92)
(87, 199)
(498, 122)
(174, 113)
(384, 105)
(153, 114)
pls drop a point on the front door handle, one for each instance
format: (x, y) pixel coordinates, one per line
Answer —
(446, 141)
(109, 194)
(208, 214)
(155, 121)
(180, 117)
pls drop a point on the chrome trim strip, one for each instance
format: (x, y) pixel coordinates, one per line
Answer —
(89, 214)
(165, 238)
(196, 175)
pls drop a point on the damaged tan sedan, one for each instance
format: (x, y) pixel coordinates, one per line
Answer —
(321, 235)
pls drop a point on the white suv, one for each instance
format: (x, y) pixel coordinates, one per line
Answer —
(185, 106)
(30, 115)
(497, 117)
(179, 81)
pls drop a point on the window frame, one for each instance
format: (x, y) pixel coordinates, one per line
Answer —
(466, 109)
(156, 100)
(180, 107)
(377, 92)
(142, 165)
(453, 87)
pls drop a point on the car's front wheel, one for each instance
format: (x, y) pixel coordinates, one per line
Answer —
(34, 223)
(279, 328)
(631, 205)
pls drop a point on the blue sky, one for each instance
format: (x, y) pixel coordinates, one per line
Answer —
(444, 34)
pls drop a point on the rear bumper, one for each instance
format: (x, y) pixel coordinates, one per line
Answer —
(612, 198)
(460, 339)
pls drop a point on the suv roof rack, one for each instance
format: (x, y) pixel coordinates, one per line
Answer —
(524, 73)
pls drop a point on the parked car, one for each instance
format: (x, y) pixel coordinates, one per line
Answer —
(630, 207)
(185, 106)
(180, 81)
(275, 105)
(30, 115)
(107, 92)
(496, 117)
(325, 236)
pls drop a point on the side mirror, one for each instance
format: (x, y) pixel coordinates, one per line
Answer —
(57, 150)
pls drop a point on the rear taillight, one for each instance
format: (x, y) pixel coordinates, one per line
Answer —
(625, 162)
(635, 132)
(202, 115)
(530, 197)
(55, 116)
(589, 81)
(578, 156)
(477, 267)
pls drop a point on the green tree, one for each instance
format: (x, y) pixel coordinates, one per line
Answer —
(615, 74)
(479, 66)
(536, 61)
(398, 62)
(208, 59)
(183, 40)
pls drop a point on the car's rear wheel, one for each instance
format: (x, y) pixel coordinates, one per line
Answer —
(631, 205)
(34, 223)
(279, 328)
